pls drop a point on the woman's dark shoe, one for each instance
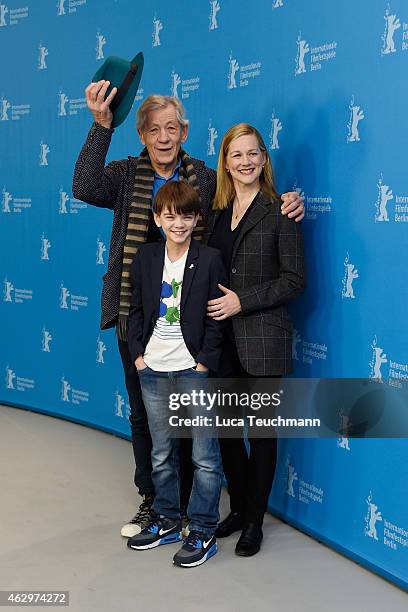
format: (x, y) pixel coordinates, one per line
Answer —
(233, 522)
(250, 540)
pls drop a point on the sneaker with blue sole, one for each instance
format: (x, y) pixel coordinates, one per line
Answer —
(196, 549)
(159, 531)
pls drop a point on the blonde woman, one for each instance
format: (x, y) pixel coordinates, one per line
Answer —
(262, 251)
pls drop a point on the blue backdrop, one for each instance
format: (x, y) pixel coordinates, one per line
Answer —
(325, 83)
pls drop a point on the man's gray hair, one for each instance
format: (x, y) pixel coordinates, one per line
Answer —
(157, 102)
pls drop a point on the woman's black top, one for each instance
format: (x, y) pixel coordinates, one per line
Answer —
(223, 237)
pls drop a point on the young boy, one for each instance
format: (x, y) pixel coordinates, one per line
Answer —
(171, 341)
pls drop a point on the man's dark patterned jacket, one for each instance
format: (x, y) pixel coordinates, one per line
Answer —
(111, 187)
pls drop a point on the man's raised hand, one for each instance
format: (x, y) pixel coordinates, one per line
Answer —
(95, 98)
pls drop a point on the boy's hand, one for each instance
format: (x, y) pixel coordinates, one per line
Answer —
(201, 368)
(139, 363)
(293, 205)
(226, 306)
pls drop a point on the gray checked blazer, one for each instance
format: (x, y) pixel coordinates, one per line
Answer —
(267, 270)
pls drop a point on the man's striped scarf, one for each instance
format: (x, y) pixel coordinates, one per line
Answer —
(138, 224)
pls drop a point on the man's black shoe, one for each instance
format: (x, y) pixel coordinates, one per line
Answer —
(250, 540)
(233, 522)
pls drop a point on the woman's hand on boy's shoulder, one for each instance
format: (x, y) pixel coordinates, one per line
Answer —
(223, 307)
(293, 205)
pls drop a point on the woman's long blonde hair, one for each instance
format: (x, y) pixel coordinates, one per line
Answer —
(225, 192)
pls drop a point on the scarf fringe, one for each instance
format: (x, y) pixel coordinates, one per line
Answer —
(122, 328)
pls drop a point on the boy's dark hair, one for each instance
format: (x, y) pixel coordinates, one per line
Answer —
(177, 196)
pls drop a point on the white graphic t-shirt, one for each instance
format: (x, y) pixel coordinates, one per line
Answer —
(166, 350)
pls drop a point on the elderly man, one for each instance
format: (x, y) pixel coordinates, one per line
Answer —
(128, 187)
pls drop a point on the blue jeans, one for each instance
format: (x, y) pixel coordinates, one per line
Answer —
(205, 494)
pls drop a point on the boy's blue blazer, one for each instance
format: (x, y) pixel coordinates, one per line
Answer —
(203, 271)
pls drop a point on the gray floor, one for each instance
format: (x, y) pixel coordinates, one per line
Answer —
(66, 489)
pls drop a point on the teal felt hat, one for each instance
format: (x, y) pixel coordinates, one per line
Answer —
(126, 77)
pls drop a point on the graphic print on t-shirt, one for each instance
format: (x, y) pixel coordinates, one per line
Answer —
(170, 313)
(166, 349)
